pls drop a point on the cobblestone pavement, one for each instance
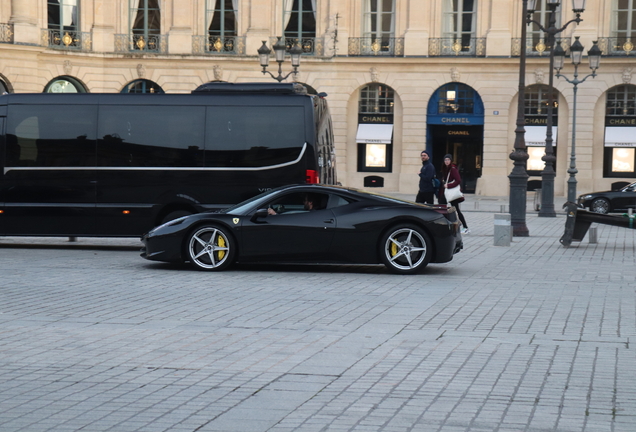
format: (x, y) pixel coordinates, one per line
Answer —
(531, 337)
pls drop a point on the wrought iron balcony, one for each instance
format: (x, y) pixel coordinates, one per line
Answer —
(6, 33)
(536, 48)
(131, 43)
(459, 47)
(67, 40)
(370, 46)
(309, 46)
(214, 45)
(617, 46)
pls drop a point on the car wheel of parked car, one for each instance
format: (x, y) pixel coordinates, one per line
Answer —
(210, 248)
(406, 249)
(600, 205)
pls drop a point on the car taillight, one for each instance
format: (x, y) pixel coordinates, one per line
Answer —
(311, 176)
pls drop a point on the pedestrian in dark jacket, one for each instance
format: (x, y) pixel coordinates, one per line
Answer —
(427, 173)
(451, 179)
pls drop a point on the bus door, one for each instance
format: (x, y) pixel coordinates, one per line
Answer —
(48, 179)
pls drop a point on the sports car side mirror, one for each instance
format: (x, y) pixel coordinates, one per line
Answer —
(260, 213)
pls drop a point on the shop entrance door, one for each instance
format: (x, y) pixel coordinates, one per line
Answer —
(465, 144)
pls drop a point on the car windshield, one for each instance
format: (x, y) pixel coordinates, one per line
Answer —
(242, 207)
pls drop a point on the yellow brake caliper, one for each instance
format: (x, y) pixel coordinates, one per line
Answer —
(221, 243)
(394, 249)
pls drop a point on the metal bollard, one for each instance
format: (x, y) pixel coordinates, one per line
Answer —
(503, 230)
(592, 234)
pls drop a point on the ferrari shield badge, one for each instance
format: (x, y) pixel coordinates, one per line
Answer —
(235, 220)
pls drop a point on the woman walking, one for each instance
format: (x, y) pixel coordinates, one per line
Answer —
(451, 179)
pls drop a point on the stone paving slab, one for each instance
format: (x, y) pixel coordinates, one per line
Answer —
(531, 337)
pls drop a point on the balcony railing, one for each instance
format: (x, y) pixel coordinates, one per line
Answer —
(617, 46)
(214, 45)
(134, 43)
(536, 48)
(310, 46)
(67, 40)
(459, 47)
(369, 46)
(6, 33)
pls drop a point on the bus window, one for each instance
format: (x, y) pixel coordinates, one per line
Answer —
(150, 136)
(253, 136)
(51, 136)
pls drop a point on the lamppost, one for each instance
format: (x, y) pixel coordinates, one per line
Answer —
(548, 173)
(594, 58)
(279, 51)
(519, 176)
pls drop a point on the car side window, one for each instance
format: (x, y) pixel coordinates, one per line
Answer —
(337, 201)
(298, 202)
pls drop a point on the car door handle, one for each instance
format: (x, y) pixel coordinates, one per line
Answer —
(329, 221)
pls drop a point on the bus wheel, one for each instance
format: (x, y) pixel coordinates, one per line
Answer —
(175, 215)
(210, 248)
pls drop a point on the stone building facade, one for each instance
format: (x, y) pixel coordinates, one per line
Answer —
(401, 75)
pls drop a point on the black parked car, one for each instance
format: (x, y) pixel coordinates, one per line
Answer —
(610, 201)
(311, 223)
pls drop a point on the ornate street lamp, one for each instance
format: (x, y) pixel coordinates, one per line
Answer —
(279, 52)
(548, 174)
(576, 54)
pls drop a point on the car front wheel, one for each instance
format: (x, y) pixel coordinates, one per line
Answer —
(210, 248)
(600, 205)
(406, 249)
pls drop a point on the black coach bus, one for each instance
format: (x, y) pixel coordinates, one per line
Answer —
(119, 164)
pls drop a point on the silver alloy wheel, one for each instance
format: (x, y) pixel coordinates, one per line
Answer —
(405, 249)
(600, 205)
(209, 248)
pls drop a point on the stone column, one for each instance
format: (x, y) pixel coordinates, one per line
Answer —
(103, 31)
(499, 37)
(181, 31)
(417, 32)
(24, 17)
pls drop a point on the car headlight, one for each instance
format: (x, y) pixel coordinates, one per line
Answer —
(585, 197)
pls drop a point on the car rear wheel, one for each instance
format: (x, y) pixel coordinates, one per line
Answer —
(600, 205)
(406, 249)
(210, 248)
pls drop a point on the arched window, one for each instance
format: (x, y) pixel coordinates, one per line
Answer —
(536, 100)
(142, 86)
(375, 128)
(621, 101)
(456, 98)
(620, 132)
(376, 98)
(64, 84)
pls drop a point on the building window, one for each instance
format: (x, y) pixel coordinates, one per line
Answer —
(456, 98)
(64, 84)
(620, 132)
(460, 21)
(300, 20)
(375, 128)
(542, 15)
(379, 22)
(220, 18)
(624, 20)
(145, 19)
(63, 15)
(536, 101)
(376, 98)
(142, 86)
(621, 101)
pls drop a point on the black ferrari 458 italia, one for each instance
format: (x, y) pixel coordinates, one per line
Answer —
(311, 223)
